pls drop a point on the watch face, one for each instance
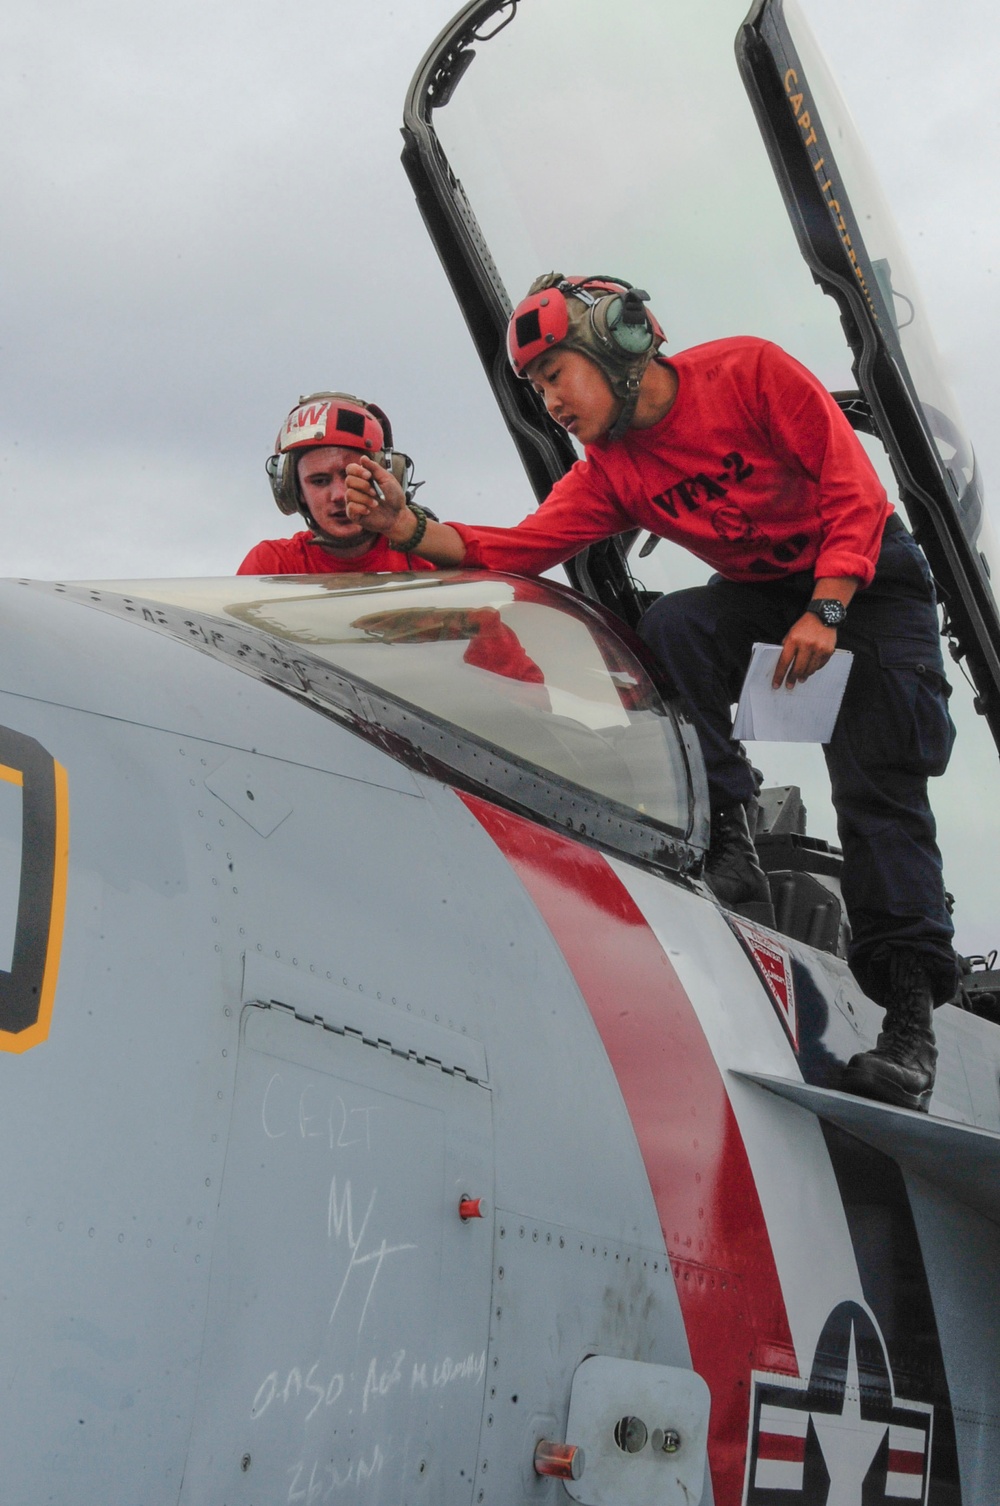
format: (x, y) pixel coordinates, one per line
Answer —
(832, 613)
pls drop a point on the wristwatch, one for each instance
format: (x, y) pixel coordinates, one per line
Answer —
(830, 612)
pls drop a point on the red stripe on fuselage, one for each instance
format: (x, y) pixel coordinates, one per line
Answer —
(786, 1447)
(711, 1217)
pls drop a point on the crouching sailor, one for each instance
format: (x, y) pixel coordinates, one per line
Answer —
(736, 452)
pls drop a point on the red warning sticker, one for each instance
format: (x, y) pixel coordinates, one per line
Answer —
(774, 964)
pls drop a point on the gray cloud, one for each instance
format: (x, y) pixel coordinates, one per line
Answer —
(205, 215)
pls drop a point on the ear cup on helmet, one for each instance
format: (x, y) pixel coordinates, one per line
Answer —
(401, 467)
(622, 319)
(628, 324)
(281, 473)
(273, 465)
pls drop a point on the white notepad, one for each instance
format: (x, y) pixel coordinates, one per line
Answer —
(805, 714)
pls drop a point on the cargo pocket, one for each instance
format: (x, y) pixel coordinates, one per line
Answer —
(918, 725)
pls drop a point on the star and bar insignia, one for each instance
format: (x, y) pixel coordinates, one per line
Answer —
(843, 1436)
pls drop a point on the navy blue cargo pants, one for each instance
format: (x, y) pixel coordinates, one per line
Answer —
(893, 731)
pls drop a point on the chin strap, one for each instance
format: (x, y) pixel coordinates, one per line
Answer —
(630, 401)
(330, 544)
(338, 547)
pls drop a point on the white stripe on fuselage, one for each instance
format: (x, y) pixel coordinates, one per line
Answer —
(795, 1181)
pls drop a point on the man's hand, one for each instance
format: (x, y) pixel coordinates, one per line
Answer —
(809, 643)
(381, 514)
(389, 515)
(807, 646)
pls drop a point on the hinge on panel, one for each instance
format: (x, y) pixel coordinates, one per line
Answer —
(377, 1043)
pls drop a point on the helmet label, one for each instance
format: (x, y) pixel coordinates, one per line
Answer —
(305, 423)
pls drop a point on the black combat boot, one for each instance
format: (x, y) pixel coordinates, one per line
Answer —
(900, 1069)
(732, 870)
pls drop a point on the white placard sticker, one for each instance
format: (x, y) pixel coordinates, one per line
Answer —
(304, 423)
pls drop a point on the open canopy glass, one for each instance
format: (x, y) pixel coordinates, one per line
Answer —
(669, 142)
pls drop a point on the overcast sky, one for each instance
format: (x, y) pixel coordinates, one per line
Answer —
(205, 216)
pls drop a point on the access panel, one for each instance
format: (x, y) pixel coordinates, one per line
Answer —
(349, 1300)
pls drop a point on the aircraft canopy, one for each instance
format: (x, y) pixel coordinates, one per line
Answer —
(524, 667)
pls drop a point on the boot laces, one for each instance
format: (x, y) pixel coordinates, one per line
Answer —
(909, 1010)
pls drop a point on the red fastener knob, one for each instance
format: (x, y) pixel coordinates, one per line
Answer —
(471, 1207)
(561, 1461)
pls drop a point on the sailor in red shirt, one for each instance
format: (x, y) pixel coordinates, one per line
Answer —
(737, 452)
(308, 473)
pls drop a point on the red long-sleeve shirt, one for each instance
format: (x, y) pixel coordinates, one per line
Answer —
(301, 555)
(754, 469)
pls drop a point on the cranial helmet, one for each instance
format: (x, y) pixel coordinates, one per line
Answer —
(604, 318)
(331, 418)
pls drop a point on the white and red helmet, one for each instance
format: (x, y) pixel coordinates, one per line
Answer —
(604, 318)
(320, 420)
